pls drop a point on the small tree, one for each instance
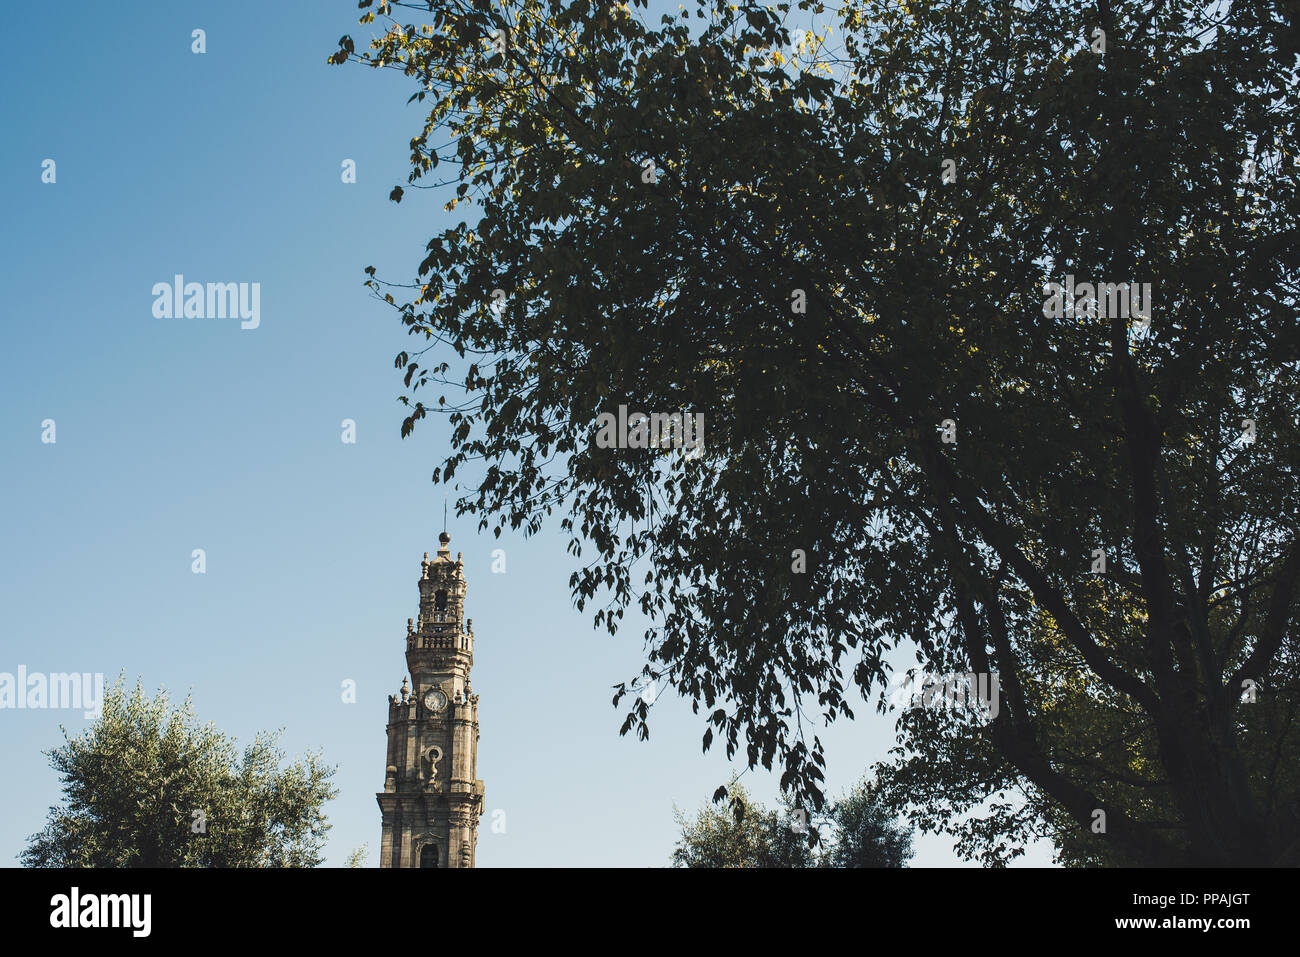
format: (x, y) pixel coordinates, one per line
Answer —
(358, 856)
(854, 832)
(148, 786)
(865, 834)
(743, 833)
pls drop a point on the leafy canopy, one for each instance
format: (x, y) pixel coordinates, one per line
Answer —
(855, 831)
(148, 786)
(649, 199)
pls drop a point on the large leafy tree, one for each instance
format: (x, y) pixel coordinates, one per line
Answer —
(693, 216)
(148, 786)
(1107, 742)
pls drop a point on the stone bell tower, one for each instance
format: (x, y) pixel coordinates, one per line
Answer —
(432, 799)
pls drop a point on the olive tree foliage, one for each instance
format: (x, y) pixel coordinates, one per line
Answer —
(863, 832)
(147, 785)
(690, 215)
(741, 833)
(854, 831)
(358, 856)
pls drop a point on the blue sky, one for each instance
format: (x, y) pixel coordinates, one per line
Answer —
(174, 435)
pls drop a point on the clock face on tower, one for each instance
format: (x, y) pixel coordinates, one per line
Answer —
(435, 700)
